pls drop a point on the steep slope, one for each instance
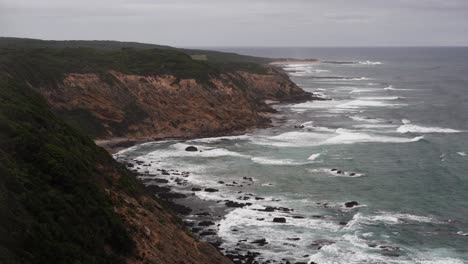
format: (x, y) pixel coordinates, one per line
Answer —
(210, 55)
(151, 93)
(65, 200)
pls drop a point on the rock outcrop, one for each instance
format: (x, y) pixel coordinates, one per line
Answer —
(160, 106)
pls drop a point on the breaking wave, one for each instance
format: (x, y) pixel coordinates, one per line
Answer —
(408, 127)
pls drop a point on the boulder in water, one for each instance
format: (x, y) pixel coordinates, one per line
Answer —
(191, 148)
(260, 242)
(279, 220)
(351, 204)
(234, 204)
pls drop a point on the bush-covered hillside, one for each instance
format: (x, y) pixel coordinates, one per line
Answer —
(47, 66)
(214, 56)
(53, 206)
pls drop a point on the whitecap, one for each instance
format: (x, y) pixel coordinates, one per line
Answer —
(410, 128)
(351, 137)
(334, 173)
(373, 126)
(367, 103)
(314, 156)
(461, 153)
(391, 88)
(270, 161)
(380, 98)
(363, 90)
(367, 62)
(310, 125)
(218, 139)
(178, 150)
(317, 104)
(390, 218)
(367, 119)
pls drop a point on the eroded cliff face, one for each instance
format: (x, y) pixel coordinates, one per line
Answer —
(158, 234)
(134, 106)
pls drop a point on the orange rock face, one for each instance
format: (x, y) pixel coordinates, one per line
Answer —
(139, 107)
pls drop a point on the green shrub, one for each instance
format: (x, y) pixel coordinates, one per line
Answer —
(52, 200)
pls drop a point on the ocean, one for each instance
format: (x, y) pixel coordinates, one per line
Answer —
(393, 137)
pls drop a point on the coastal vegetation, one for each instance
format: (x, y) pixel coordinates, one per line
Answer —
(65, 200)
(53, 205)
(47, 66)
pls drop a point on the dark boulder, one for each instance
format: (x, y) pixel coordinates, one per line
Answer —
(203, 214)
(160, 180)
(260, 242)
(268, 209)
(206, 223)
(211, 190)
(298, 217)
(234, 204)
(196, 189)
(318, 244)
(208, 233)
(279, 220)
(351, 204)
(171, 195)
(157, 189)
(191, 148)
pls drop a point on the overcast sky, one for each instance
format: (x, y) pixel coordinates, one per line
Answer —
(242, 22)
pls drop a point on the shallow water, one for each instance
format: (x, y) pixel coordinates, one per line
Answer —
(396, 128)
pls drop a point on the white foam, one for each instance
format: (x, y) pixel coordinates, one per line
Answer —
(390, 218)
(218, 139)
(343, 253)
(270, 161)
(363, 90)
(367, 119)
(390, 88)
(441, 261)
(178, 150)
(410, 128)
(350, 137)
(317, 104)
(339, 136)
(380, 98)
(367, 62)
(360, 79)
(310, 125)
(371, 126)
(330, 172)
(461, 153)
(406, 121)
(367, 103)
(314, 156)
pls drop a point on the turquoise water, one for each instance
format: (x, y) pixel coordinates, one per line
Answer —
(396, 127)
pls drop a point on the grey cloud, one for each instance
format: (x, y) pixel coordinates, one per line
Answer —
(242, 22)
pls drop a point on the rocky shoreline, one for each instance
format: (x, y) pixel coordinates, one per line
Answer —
(200, 216)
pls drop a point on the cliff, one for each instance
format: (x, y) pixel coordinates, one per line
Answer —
(65, 200)
(159, 106)
(145, 94)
